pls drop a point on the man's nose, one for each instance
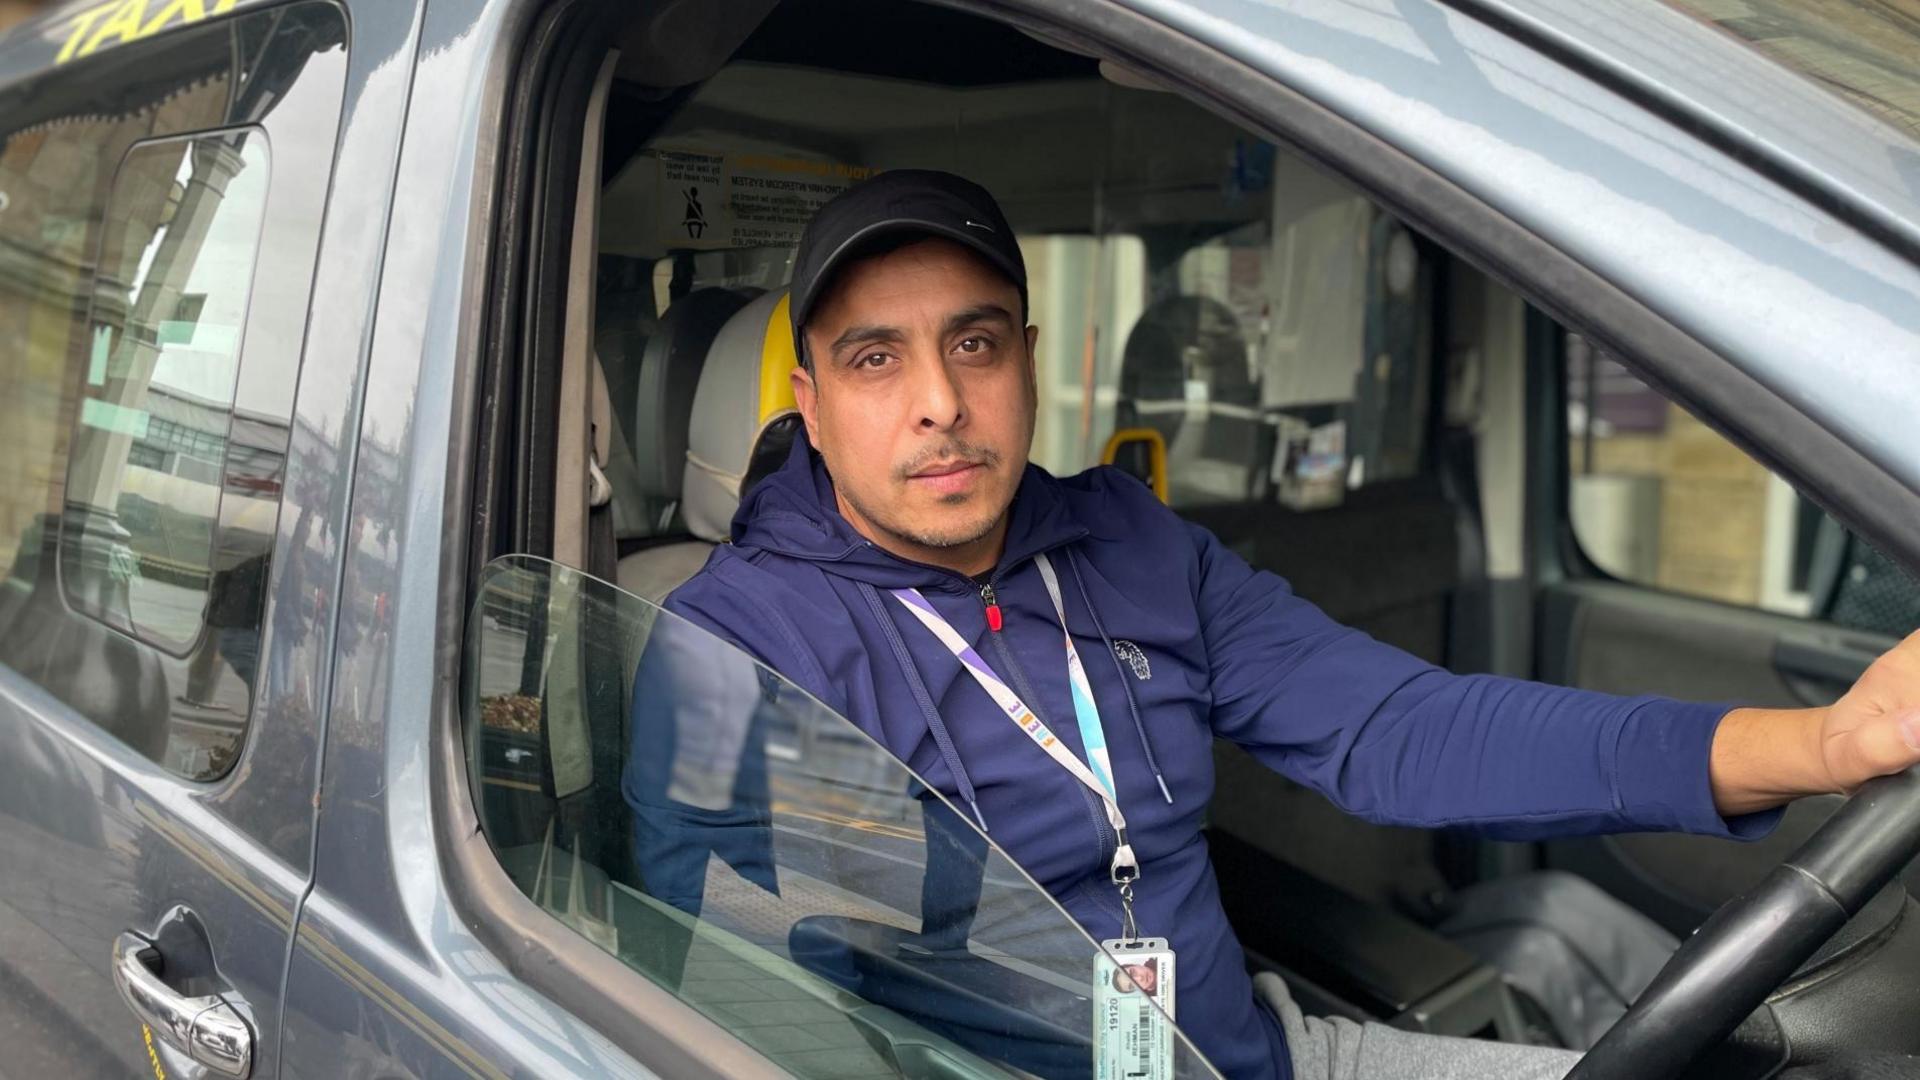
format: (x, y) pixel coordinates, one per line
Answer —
(939, 403)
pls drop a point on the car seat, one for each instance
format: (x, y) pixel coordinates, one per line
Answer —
(740, 427)
(652, 406)
(662, 405)
(1575, 955)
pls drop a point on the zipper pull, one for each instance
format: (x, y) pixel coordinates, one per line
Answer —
(993, 608)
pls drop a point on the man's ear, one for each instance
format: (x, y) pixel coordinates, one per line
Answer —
(806, 395)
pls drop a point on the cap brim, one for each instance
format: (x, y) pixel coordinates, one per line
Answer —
(802, 306)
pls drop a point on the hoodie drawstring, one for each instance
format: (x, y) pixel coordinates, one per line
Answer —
(1133, 706)
(920, 695)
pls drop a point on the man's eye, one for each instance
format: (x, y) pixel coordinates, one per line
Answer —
(870, 360)
(974, 344)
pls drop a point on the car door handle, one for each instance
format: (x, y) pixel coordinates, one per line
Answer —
(206, 1029)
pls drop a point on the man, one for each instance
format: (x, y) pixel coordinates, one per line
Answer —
(911, 568)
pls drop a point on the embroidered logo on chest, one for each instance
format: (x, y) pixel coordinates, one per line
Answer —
(1135, 659)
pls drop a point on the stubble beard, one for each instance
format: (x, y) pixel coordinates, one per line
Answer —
(958, 536)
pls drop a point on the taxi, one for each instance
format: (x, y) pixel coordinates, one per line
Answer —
(370, 372)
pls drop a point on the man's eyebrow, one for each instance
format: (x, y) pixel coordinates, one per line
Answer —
(979, 313)
(854, 334)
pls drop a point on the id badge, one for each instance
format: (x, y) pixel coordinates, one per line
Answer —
(1133, 1040)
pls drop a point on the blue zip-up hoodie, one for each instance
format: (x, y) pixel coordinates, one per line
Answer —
(1223, 651)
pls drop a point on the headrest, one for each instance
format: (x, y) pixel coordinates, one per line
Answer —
(1179, 345)
(744, 416)
(669, 373)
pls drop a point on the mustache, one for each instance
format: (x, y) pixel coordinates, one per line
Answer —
(950, 451)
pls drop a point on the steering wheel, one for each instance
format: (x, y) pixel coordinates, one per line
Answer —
(1757, 940)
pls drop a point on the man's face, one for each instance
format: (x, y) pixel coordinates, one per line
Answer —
(921, 399)
(1142, 977)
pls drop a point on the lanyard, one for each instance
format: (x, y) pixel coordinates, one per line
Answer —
(1096, 773)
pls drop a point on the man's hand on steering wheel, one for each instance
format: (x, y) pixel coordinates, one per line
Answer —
(1875, 729)
(1757, 941)
(1764, 757)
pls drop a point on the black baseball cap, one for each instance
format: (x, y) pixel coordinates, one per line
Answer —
(900, 201)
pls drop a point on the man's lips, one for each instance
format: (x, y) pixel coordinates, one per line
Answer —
(948, 478)
(946, 469)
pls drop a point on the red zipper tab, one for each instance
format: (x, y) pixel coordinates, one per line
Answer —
(993, 608)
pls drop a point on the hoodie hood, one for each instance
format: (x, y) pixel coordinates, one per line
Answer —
(794, 512)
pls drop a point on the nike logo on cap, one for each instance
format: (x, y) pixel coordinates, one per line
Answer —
(977, 225)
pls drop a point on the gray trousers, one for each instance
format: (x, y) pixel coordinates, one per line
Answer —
(1335, 1048)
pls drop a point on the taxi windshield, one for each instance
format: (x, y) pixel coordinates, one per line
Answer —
(1863, 50)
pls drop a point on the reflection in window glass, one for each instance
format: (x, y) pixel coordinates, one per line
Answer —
(1862, 50)
(170, 300)
(735, 841)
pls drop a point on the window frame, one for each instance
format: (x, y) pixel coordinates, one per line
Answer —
(633, 1013)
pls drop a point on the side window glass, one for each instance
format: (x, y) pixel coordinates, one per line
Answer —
(738, 843)
(1658, 498)
(144, 477)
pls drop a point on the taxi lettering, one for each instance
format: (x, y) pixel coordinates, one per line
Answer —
(120, 21)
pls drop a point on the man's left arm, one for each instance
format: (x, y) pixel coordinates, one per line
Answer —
(1391, 738)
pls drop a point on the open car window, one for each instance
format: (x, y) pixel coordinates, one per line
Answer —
(754, 853)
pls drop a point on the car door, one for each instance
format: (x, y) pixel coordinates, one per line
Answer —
(163, 531)
(1686, 568)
